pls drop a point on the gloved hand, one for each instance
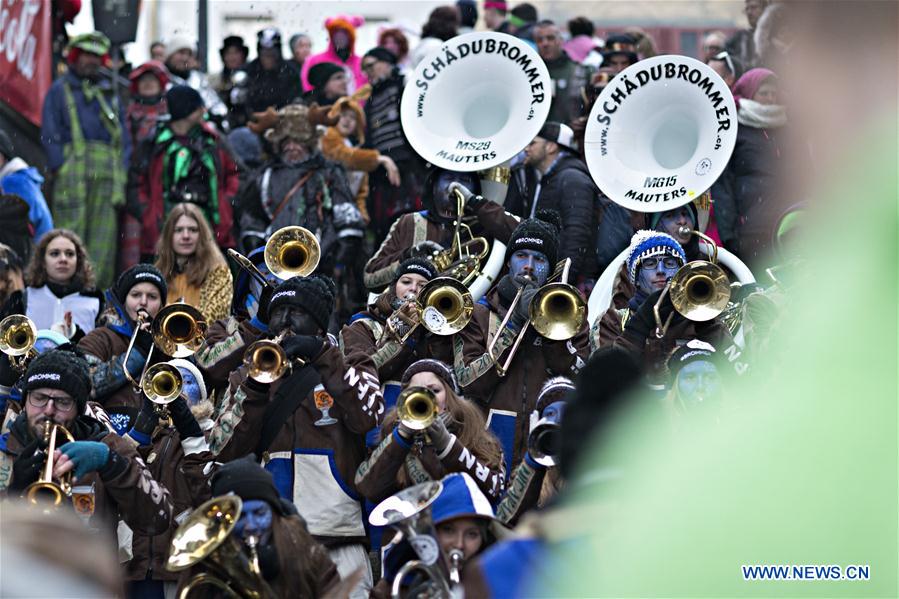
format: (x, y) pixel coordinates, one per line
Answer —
(27, 467)
(87, 456)
(184, 419)
(422, 249)
(438, 433)
(144, 342)
(304, 347)
(529, 290)
(146, 420)
(642, 322)
(472, 201)
(265, 299)
(405, 432)
(8, 374)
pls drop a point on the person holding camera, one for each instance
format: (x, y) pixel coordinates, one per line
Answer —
(184, 161)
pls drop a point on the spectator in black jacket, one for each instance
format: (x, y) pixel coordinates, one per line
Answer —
(553, 177)
(271, 81)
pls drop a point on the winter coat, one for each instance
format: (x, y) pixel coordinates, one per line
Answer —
(353, 65)
(123, 489)
(43, 306)
(382, 116)
(17, 178)
(357, 161)
(746, 194)
(276, 88)
(149, 201)
(56, 131)
(223, 350)
(313, 465)
(578, 47)
(568, 79)
(323, 202)
(568, 189)
(212, 297)
(490, 220)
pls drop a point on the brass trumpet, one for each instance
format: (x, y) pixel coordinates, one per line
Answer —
(543, 442)
(162, 383)
(17, 337)
(556, 312)
(45, 488)
(206, 536)
(416, 408)
(699, 290)
(444, 306)
(265, 360)
(292, 252)
(179, 330)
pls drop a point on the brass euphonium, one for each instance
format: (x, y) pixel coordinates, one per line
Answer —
(206, 536)
(292, 252)
(416, 407)
(45, 488)
(17, 337)
(266, 360)
(162, 383)
(444, 306)
(699, 290)
(460, 261)
(179, 330)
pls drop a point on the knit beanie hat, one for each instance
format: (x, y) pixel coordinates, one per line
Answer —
(315, 294)
(416, 266)
(192, 368)
(322, 72)
(248, 480)
(140, 273)
(182, 100)
(383, 54)
(6, 147)
(60, 369)
(555, 389)
(538, 235)
(438, 368)
(646, 244)
(656, 217)
(692, 351)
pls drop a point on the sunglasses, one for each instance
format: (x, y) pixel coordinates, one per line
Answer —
(727, 60)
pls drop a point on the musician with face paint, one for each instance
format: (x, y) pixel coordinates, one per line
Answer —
(694, 383)
(508, 400)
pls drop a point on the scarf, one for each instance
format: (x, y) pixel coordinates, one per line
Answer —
(761, 116)
(62, 290)
(178, 158)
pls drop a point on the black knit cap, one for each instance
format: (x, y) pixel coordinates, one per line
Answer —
(416, 266)
(692, 351)
(322, 72)
(248, 480)
(182, 100)
(382, 53)
(140, 273)
(438, 368)
(234, 41)
(538, 235)
(60, 369)
(315, 294)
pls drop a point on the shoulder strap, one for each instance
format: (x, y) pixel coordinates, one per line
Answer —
(296, 186)
(285, 403)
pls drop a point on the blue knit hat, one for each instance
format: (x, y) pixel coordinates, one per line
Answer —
(647, 244)
(460, 498)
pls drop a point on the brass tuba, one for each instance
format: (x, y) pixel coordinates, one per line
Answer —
(45, 488)
(416, 407)
(292, 252)
(205, 536)
(179, 330)
(17, 337)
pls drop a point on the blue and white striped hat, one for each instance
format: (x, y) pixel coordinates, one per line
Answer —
(460, 498)
(646, 244)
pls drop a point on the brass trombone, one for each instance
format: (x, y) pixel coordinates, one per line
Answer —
(206, 536)
(162, 384)
(292, 252)
(444, 306)
(416, 408)
(17, 337)
(699, 290)
(556, 312)
(460, 261)
(143, 317)
(179, 330)
(45, 488)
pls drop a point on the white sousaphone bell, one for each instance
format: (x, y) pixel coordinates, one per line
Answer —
(472, 105)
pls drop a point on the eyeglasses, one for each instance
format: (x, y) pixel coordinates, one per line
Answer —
(727, 60)
(62, 404)
(652, 263)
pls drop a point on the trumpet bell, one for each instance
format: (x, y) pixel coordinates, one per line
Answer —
(292, 252)
(162, 383)
(416, 407)
(476, 102)
(660, 133)
(447, 306)
(179, 330)
(557, 311)
(204, 531)
(700, 290)
(266, 361)
(544, 442)
(406, 504)
(17, 335)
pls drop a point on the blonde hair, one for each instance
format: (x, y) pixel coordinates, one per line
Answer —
(206, 256)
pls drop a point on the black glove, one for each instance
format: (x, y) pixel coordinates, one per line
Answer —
(642, 321)
(27, 467)
(8, 374)
(147, 419)
(304, 347)
(529, 290)
(472, 201)
(422, 249)
(144, 342)
(184, 419)
(265, 299)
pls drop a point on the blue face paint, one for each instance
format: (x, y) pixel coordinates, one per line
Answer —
(673, 220)
(191, 389)
(255, 519)
(652, 277)
(446, 205)
(698, 382)
(554, 411)
(531, 263)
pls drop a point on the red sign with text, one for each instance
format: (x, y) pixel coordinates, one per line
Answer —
(25, 55)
